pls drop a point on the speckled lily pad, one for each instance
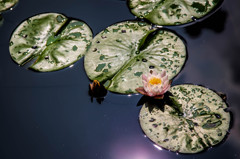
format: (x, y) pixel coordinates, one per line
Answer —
(120, 54)
(203, 123)
(7, 4)
(51, 39)
(172, 12)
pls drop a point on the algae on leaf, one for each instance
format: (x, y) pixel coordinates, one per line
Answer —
(172, 12)
(120, 54)
(7, 4)
(51, 39)
(203, 123)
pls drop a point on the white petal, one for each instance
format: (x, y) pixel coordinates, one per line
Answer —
(154, 73)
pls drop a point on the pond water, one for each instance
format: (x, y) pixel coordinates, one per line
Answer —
(51, 115)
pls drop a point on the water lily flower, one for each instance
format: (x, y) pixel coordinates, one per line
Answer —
(97, 89)
(94, 85)
(154, 84)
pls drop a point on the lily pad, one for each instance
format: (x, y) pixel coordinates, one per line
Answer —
(203, 123)
(172, 12)
(120, 54)
(7, 4)
(51, 39)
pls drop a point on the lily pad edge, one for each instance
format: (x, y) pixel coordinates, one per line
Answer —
(27, 64)
(196, 20)
(208, 148)
(9, 9)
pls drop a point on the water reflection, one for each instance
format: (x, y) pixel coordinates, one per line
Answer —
(232, 57)
(99, 100)
(215, 22)
(135, 149)
(1, 20)
(157, 147)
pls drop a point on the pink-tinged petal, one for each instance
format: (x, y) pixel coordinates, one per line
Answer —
(151, 94)
(160, 87)
(158, 91)
(155, 90)
(166, 83)
(145, 83)
(146, 89)
(163, 73)
(163, 91)
(141, 91)
(159, 97)
(144, 78)
(165, 78)
(154, 73)
(166, 88)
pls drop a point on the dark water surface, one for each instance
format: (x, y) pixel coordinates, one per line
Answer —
(51, 115)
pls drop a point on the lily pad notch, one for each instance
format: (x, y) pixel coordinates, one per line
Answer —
(172, 13)
(120, 54)
(51, 40)
(203, 123)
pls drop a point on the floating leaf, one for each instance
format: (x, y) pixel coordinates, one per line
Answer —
(7, 4)
(123, 52)
(204, 122)
(52, 39)
(173, 12)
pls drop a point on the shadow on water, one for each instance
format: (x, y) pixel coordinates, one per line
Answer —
(232, 56)
(1, 20)
(118, 0)
(215, 22)
(180, 79)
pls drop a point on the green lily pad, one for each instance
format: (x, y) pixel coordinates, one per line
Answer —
(204, 122)
(51, 39)
(172, 12)
(120, 54)
(7, 4)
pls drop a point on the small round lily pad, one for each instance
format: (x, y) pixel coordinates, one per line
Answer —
(52, 40)
(172, 12)
(202, 124)
(7, 4)
(120, 54)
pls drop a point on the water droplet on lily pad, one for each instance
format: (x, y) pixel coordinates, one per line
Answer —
(142, 23)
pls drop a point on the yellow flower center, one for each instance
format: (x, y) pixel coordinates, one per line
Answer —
(155, 80)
